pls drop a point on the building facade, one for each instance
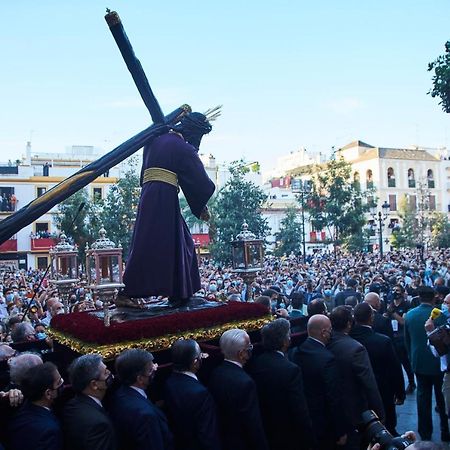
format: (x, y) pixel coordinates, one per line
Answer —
(29, 178)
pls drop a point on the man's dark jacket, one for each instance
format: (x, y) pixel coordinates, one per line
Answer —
(138, 422)
(385, 364)
(283, 404)
(359, 387)
(386, 368)
(237, 402)
(382, 325)
(339, 300)
(86, 425)
(192, 413)
(36, 428)
(323, 393)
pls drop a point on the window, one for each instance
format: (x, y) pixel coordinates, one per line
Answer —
(412, 202)
(392, 202)
(97, 194)
(46, 169)
(41, 228)
(356, 182)
(369, 179)
(432, 202)
(430, 179)
(42, 262)
(41, 191)
(391, 177)
(7, 199)
(411, 179)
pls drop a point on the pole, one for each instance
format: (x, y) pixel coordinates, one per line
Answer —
(303, 225)
(380, 222)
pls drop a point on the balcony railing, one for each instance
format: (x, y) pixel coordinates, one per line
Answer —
(391, 182)
(43, 244)
(9, 246)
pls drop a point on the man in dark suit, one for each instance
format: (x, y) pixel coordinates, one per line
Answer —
(35, 426)
(349, 291)
(385, 363)
(381, 324)
(323, 393)
(280, 391)
(359, 387)
(138, 422)
(236, 397)
(86, 425)
(425, 366)
(190, 407)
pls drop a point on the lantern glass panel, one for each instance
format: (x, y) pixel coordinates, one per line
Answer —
(238, 257)
(115, 269)
(254, 256)
(105, 269)
(92, 273)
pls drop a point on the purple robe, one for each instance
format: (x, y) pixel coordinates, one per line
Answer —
(162, 259)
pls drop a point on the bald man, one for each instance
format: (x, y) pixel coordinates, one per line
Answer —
(381, 324)
(321, 389)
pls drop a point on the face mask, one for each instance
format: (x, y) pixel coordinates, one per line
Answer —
(444, 309)
(9, 297)
(273, 304)
(41, 336)
(327, 292)
(212, 288)
(219, 282)
(289, 283)
(109, 380)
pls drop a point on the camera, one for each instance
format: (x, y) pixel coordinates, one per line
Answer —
(375, 432)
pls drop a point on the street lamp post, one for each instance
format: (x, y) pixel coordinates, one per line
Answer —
(301, 187)
(381, 217)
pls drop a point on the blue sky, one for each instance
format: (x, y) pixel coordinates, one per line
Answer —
(289, 73)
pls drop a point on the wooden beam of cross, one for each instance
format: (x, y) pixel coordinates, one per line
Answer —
(39, 206)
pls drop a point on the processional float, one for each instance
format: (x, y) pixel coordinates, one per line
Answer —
(82, 331)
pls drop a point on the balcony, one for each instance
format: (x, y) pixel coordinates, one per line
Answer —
(9, 246)
(9, 170)
(43, 244)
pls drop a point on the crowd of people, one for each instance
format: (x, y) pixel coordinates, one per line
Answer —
(345, 331)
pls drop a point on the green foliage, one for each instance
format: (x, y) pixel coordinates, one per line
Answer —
(189, 218)
(440, 231)
(118, 212)
(290, 234)
(406, 235)
(441, 78)
(238, 201)
(80, 231)
(335, 202)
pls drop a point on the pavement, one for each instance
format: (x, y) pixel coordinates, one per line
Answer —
(407, 418)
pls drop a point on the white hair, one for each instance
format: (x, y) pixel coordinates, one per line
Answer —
(233, 341)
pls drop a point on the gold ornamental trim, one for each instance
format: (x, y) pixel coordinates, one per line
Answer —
(159, 174)
(110, 351)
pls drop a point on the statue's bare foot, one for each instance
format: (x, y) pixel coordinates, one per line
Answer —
(123, 300)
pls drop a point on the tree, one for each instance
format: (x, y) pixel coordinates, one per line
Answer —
(238, 201)
(441, 78)
(290, 234)
(118, 212)
(404, 236)
(189, 218)
(68, 211)
(336, 202)
(440, 231)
